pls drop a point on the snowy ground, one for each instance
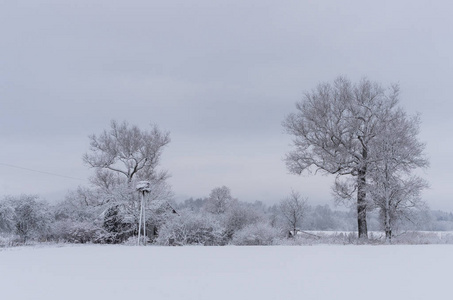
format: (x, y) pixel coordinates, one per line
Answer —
(278, 272)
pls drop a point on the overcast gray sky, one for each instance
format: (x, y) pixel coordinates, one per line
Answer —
(219, 75)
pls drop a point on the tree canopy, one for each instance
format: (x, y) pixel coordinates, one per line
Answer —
(338, 128)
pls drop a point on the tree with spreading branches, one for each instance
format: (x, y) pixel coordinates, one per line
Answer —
(336, 130)
(122, 156)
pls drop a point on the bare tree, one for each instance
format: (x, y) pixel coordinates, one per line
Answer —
(293, 210)
(122, 155)
(334, 129)
(393, 188)
(128, 151)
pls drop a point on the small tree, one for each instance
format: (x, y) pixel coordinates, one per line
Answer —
(393, 188)
(219, 200)
(293, 210)
(397, 199)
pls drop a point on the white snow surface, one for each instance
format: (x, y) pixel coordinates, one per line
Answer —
(273, 272)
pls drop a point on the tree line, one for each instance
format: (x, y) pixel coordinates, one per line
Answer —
(202, 221)
(355, 131)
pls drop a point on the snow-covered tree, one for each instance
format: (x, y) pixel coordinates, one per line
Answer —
(32, 217)
(334, 129)
(128, 151)
(398, 152)
(6, 216)
(121, 156)
(293, 209)
(77, 219)
(191, 204)
(219, 200)
(80, 205)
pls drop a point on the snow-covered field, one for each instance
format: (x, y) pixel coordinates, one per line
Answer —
(214, 273)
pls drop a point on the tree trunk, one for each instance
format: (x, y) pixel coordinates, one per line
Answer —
(388, 236)
(361, 204)
(387, 221)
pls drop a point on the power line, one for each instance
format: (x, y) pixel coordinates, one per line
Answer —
(42, 172)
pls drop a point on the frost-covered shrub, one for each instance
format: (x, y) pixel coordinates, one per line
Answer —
(238, 217)
(9, 240)
(25, 216)
(423, 237)
(77, 232)
(6, 217)
(188, 228)
(322, 238)
(256, 234)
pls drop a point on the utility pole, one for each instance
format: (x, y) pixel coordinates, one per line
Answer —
(142, 187)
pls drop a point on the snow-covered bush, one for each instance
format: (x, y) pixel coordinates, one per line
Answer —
(9, 240)
(6, 217)
(188, 228)
(423, 237)
(76, 232)
(256, 234)
(30, 218)
(238, 216)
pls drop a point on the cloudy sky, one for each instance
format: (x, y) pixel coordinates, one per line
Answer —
(219, 75)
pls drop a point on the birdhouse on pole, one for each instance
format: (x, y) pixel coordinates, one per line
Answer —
(142, 187)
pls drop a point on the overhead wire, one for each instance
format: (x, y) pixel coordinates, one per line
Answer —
(42, 172)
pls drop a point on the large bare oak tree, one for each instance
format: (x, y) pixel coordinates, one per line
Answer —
(334, 129)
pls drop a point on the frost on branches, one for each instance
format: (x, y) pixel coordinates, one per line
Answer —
(341, 128)
(121, 157)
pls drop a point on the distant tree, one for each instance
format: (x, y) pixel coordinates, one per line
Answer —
(240, 215)
(31, 216)
(321, 217)
(334, 129)
(192, 205)
(293, 209)
(6, 216)
(273, 215)
(219, 200)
